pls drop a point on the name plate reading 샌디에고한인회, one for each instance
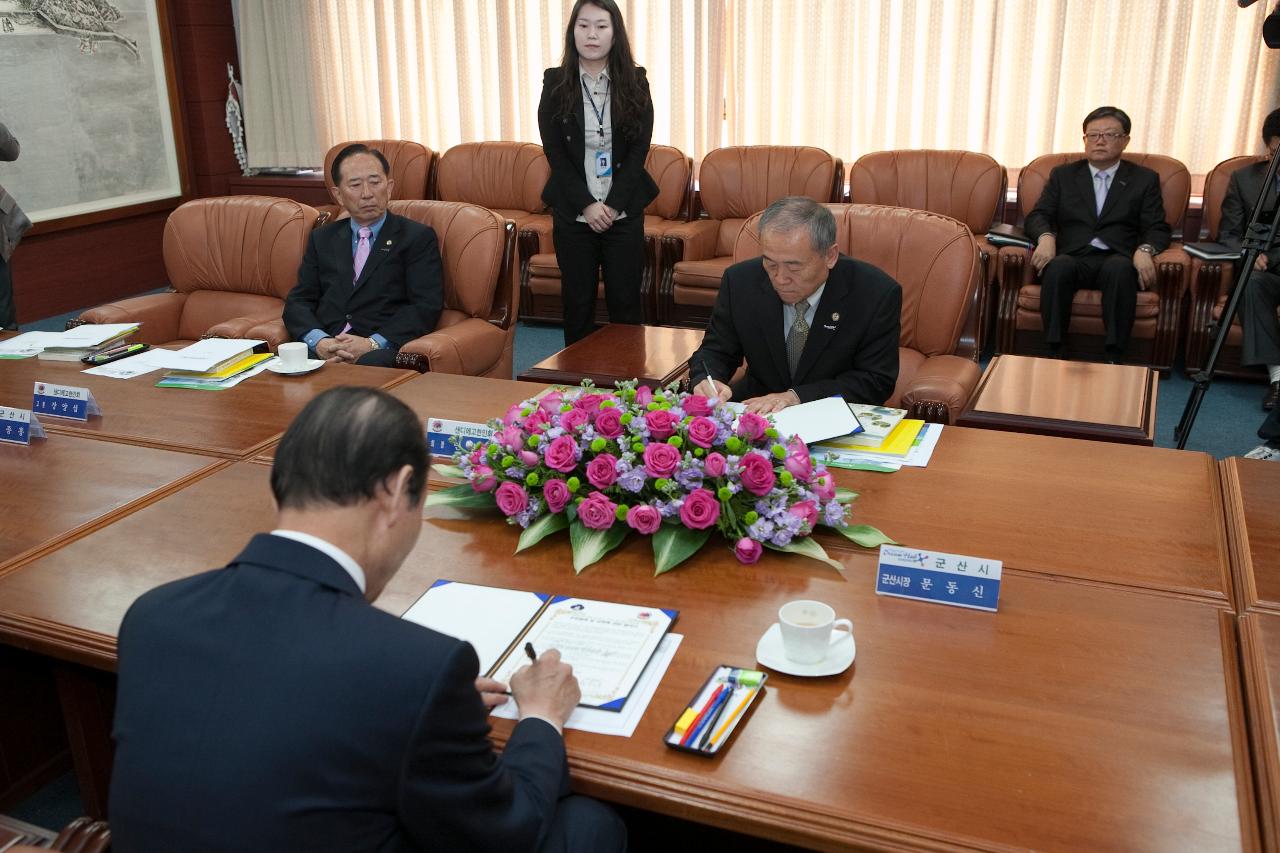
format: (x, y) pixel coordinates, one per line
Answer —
(942, 578)
(19, 426)
(64, 401)
(445, 437)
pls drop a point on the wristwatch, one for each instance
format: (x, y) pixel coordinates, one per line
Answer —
(373, 343)
(1148, 248)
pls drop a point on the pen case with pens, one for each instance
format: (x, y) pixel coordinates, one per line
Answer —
(716, 710)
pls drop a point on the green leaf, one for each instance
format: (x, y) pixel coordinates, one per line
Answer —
(462, 496)
(866, 535)
(540, 529)
(590, 545)
(675, 543)
(846, 495)
(449, 471)
(809, 547)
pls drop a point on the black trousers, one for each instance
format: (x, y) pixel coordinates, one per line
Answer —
(581, 253)
(583, 825)
(1093, 269)
(1258, 319)
(8, 310)
(385, 357)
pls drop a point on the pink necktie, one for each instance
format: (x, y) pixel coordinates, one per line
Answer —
(362, 252)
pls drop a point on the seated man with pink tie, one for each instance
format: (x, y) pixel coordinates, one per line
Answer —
(369, 284)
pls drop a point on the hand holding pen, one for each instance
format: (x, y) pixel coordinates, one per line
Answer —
(709, 387)
(546, 688)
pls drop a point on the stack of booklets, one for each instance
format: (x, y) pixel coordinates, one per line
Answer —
(212, 365)
(888, 441)
(75, 344)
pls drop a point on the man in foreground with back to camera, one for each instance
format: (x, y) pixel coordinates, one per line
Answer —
(1098, 226)
(370, 284)
(810, 322)
(269, 706)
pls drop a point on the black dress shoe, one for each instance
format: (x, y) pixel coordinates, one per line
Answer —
(1270, 398)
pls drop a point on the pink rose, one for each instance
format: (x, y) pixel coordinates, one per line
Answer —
(482, 479)
(661, 460)
(609, 423)
(588, 402)
(700, 510)
(661, 423)
(557, 495)
(799, 464)
(597, 512)
(713, 465)
(551, 403)
(537, 422)
(702, 431)
(747, 550)
(511, 498)
(824, 486)
(562, 454)
(513, 414)
(573, 419)
(696, 404)
(602, 471)
(528, 458)
(512, 438)
(806, 510)
(476, 456)
(644, 395)
(751, 426)
(757, 473)
(644, 519)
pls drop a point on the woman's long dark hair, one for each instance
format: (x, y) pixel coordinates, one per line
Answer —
(629, 97)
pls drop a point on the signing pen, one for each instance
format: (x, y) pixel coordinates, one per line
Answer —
(696, 727)
(528, 650)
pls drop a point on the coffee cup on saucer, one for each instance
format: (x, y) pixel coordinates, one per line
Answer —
(809, 630)
(293, 356)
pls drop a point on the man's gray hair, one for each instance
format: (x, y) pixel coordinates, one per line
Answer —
(797, 211)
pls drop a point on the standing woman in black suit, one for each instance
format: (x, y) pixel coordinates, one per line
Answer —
(596, 118)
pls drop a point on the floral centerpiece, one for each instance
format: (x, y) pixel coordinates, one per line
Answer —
(672, 466)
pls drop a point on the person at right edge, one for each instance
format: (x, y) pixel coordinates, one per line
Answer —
(1098, 225)
(13, 224)
(1258, 303)
(596, 119)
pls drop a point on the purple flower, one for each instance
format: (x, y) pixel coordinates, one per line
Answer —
(700, 510)
(562, 454)
(757, 473)
(557, 494)
(660, 460)
(602, 471)
(689, 477)
(702, 431)
(597, 512)
(762, 529)
(511, 498)
(747, 550)
(833, 514)
(781, 537)
(631, 480)
(644, 519)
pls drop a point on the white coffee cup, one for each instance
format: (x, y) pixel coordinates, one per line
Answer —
(293, 355)
(808, 630)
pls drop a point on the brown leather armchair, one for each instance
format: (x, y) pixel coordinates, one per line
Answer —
(507, 178)
(735, 183)
(1155, 328)
(411, 167)
(672, 171)
(231, 261)
(935, 260)
(964, 185)
(1211, 283)
(82, 835)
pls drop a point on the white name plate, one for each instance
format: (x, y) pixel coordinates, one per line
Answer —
(954, 579)
(64, 401)
(19, 426)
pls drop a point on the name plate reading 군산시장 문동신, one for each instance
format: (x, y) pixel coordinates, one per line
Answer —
(953, 579)
(64, 401)
(19, 426)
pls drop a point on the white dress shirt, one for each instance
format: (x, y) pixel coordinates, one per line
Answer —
(339, 556)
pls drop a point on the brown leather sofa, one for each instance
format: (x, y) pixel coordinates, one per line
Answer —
(964, 185)
(231, 261)
(1211, 283)
(82, 835)
(672, 171)
(1155, 328)
(734, 184)
(411, 167)
(935, 260)
(507, 178)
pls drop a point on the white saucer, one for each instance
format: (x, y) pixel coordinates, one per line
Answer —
(277, 366)
(769, 652)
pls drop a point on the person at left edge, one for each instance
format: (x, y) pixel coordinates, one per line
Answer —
(13, 224)
(370, 284)
(596, 119)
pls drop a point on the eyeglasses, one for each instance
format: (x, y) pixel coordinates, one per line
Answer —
(1109, 136)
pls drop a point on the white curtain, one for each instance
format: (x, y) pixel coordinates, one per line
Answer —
(1012, 78)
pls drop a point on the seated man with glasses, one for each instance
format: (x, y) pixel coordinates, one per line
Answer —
(1098, 225)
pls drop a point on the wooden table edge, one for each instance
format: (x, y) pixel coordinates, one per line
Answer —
(1264, 749)
(1238, 718)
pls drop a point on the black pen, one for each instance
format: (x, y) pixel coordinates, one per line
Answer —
(528, 650)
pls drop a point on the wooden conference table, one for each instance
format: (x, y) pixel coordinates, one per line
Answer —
(1099, 709)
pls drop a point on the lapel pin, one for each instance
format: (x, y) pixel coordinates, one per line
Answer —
(835, 316)
(828, 328)
(388, 242)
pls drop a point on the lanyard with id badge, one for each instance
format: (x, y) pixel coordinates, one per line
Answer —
(603, 158)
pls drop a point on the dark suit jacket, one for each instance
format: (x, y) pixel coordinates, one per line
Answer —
(13, 222)
(1237, 206)
(564, 141)
(852, 349)
(268, 706)
(1133, 213)
(399, 295)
